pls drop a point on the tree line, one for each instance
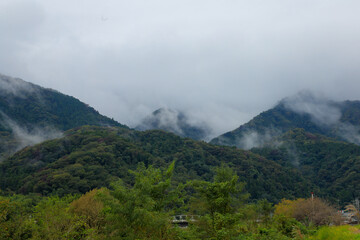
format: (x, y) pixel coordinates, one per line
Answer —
(144, 209)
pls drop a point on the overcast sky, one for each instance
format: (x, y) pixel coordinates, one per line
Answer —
(222, 62)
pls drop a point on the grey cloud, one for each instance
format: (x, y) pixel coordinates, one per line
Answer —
(20, 23)
(324, 113)
(20, 18)
(228, 60)
(15, 86)
(322, 110)
(349, 132)
(292, 153)
(163, 119)
(27, 137)
(176, 122)
(253, 139)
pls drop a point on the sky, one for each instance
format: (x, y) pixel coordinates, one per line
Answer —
(221, 62)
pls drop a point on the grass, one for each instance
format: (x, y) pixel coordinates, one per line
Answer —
(345, 232)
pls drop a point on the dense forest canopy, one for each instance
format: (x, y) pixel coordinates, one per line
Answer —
(90, 157)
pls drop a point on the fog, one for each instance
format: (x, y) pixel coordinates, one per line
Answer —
(219, 62)
(15, 86)
(323, 112)
(176, 122)
(23, 136)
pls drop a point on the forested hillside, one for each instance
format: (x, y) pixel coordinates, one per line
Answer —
(30, 114)
(339, 120)
(91, 157)
(333, 166)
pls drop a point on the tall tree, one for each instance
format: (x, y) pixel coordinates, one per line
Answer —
(218, 203)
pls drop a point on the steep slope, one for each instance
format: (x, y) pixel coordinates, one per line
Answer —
(333, 166)
(30, 114)
(90, 157)
(176, 122)
(340, 120)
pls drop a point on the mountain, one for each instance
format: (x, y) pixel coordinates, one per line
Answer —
(333, 166)
(176, 122)
(339, 120)
(30, 114)
(90, 157)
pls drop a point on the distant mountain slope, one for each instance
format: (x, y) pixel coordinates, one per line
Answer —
(90, 157)
(176, 122)
(340, 120)
(333, 166)
(30, 114)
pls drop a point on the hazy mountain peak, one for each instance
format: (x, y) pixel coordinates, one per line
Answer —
(322, 110)
(16, 86)
(176, 122)
(30, 114)
(311, 111)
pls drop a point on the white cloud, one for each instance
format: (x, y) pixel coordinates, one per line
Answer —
(322, 111)
(228, 60)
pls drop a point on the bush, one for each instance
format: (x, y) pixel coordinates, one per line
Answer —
(309, 211)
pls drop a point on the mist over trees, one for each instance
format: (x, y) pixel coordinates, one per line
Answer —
(107, 181)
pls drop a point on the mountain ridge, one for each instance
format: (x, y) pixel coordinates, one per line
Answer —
(332, 165)
(90, 157)
(30, 114)
(338, 120)
(176, 122)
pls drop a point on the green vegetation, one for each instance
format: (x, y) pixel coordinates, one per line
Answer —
(92, 157)
(45, 107)
(32, 108)
(107, 181)
(337, 233)
(280, 119)
(333, 166)
(144, 210)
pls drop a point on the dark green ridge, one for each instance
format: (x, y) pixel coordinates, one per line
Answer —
(90, 157)
(332, 165)
(31, 107)
(280, 119)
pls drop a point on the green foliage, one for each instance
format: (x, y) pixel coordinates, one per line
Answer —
(46, 107)
(90, 208)
(218, 203)
(311, 211)
(337, 233)
(144, 210)
(15, 212)
(280, 119)
(332, 166)
(52, 220)
(41, 108)
(141, 211)
(223, 194)
(92, 157)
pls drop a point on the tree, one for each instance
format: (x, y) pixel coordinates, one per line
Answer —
(309, 211)
(141, 211)
(53, 220)
(90, 207)
(287, 207)
(218, 203)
